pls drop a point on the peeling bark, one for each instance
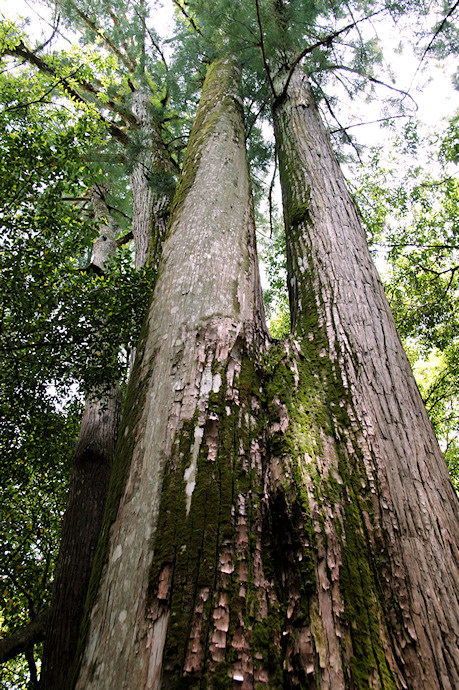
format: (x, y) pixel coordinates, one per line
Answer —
(205, 317)
(384, 512)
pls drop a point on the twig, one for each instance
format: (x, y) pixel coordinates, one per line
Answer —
(372, 79)
(263, 53)
(370, 122)
(188, 17)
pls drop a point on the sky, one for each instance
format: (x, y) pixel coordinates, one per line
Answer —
(431, 87)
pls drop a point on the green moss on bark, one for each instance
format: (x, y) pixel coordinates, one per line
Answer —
(221, 90)
(309, 384)
(192, 543)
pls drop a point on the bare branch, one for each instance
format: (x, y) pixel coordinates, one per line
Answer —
(372, 79)
(263, 54)
(420, 246)
(370, 122)
(21, 640)
(349, 140)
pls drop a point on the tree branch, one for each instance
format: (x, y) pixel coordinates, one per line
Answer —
(263, 54)
(124, 239)
(309, 49)
(117, 23)
(188, 17)
(437, 31)
(372, 79)
(126, 60)
(21, 640)
(340, 127)
(370, 122)
(32, 58)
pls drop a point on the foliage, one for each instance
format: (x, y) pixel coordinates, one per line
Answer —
(276, 296)
(411, 213)
(34, 477)
(64, 329)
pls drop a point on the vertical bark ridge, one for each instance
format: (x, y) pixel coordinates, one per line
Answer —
(384, 511)
(151, 182)
(168, 536)
(92, 463)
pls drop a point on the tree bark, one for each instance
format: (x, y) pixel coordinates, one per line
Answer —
(188, 464)
(152, 183)
(94, 452)
(92, 464)
(384, 513)
(278, 516)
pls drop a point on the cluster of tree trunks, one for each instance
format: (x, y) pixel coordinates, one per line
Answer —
(279, 514)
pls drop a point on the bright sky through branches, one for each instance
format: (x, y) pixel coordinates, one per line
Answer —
(430, 87)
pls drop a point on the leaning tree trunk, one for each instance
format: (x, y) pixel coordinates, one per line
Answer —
(92, 463)
(359, 454)
(178, 567)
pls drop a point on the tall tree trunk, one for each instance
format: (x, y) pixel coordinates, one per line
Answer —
(152, 182)
(188, 465)
(276, 518)
(94, 451)
(92, 463)
(384, 515)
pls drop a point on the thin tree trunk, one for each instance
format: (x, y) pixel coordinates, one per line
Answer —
(187, 470)
(152, 183)
(383, 512)
(92, 463)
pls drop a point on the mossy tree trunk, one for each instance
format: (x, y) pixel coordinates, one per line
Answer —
(177, 558)
(384, 515)
(279, 516)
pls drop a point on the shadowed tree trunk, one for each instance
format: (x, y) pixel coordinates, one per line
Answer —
(92, 464)
(278, 516)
